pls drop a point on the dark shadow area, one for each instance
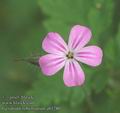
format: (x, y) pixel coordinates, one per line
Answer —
(116, 18)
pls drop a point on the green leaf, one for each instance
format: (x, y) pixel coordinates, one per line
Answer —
(100, 81)
(64, 14)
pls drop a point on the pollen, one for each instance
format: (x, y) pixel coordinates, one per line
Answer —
(70, 55)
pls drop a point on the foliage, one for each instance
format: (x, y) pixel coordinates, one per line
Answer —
(24, 24)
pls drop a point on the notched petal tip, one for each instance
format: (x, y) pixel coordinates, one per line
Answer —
(100, 56)
(42, 69)
(74, 85)
(81, 27)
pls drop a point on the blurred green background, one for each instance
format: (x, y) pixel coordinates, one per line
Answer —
(23, 25)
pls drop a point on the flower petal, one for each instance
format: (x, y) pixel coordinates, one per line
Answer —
(51, 63)
(53, 43)
(91, 55)
(73, 74)
(79, 37)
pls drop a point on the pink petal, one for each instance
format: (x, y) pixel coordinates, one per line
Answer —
(73, 74)
(79, 37)
(53, 43)
(51, 63)
(91, 55)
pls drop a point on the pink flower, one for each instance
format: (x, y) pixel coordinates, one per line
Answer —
(60, 54)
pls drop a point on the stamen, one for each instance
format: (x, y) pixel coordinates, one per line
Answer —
(70, 55)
